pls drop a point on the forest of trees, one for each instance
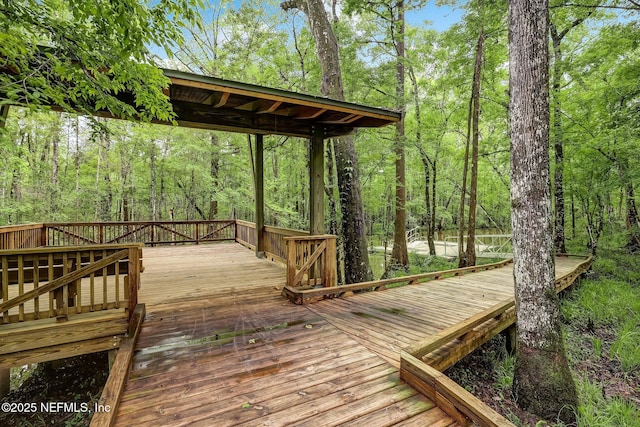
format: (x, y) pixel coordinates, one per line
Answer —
(526, 112)
(64, 167)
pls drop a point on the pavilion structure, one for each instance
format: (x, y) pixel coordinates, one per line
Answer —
(211, 103)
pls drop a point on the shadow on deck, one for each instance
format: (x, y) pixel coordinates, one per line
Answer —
(220, 346)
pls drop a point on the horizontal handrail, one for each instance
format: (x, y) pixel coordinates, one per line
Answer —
(447, 394)
(434, 342)
(484, 247)
(147, 232)
(22, 236)
(77, 279)
(478, 329)
(300, 295)
(64, 280)
(275, 246)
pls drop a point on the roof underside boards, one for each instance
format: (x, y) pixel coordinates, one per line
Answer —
(210, 103)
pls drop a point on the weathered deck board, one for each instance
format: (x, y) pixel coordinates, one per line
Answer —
(221, 347)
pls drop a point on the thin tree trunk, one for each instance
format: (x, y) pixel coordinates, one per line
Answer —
(55, 158)
(427, 164)
(542, 378)
(153, 197)
(558, 138)
(633, 221)
(215, 171)
(462, 261)
(76, 164)
(558, 187)
(470, 255)
(333, 211)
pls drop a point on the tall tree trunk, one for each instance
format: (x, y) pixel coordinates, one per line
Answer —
(633, 221)
(558, 139)
(356, 257)
(55, 158)
(558, 179)
(462, 254)
(153, 194)
(470, 255)
(333, 212)
(399, 254)
(76, 164)
(427, 165)
(215, 171)
(542, 379)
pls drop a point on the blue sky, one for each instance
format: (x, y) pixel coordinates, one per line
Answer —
(440, 17)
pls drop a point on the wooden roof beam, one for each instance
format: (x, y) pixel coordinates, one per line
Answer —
(269, 109)
(350, 118)
(217, 99)
(234, 120)
(310, 113)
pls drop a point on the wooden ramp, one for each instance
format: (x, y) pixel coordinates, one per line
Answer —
(387, 322)
(221, 347)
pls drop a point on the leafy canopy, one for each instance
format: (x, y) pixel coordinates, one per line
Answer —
(90, 55)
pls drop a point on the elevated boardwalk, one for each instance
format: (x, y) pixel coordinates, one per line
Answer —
(221, 346)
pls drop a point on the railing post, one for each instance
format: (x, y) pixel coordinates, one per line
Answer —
(44, 237)
(291, 261)
(5, 381)
(259, 196)
(134, 278)
(329, 276)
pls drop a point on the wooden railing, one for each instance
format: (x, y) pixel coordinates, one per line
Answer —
(275, 244)
(303, 296)
(22, 236)
(246, 233)
(61, 282)
(422, 363)
(311, 261)
(149, 232)
(449, 396)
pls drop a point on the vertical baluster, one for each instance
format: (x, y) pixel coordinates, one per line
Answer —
(291, 262)
(36, 284)
(317, 277)
(20, 286)
(117, 273)
(92, 282)
(78, 285)
(104, 283)
(62, 295)
(307, 254)
(5, 286)
(50, 266)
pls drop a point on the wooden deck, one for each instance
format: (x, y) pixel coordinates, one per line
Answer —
(220, 346)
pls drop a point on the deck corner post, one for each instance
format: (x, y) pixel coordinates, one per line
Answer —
(5, 381)
(316, 182)
(259, 188)
(133, 282)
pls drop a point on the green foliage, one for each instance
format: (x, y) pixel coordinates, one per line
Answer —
(504, 369)
(626, 348)
(597, 410)
(82, 55)
(604, 302)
